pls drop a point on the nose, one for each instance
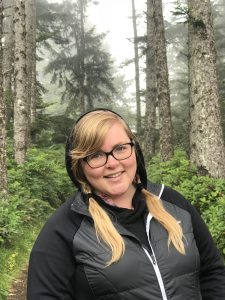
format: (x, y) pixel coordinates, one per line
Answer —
(111, 162)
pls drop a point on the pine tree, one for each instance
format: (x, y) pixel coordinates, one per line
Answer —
(3, 169)
(30, 61)
(79, 63)
(207, 150)
(20, 102)
(8, 57)
(150, 109)
(136, 63)
(163, 92)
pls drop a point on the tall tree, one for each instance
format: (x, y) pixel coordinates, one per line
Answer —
(80, 52)
(8, 56)
(150, 97)
(3, 170)
(20, 103)
(30, 60)
(136, 63)
(33, 107)
(163, 92)
(207, 150)
(218, 9)
(79, 63)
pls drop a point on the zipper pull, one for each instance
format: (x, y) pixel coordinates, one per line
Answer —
(153, 258)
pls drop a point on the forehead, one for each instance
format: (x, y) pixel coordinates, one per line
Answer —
(115, 135)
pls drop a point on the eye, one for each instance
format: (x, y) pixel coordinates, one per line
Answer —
(96, 156)
(121, 148)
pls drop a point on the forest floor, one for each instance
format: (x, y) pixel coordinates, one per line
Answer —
(18, 289)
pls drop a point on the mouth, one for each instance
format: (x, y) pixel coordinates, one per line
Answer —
(114, 175)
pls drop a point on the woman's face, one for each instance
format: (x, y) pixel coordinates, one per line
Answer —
(114, 178)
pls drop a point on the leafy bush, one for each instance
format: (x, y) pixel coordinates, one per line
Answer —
(15, 257)
(43, 176)
(16, 213)
(205, 193)
(35, 189)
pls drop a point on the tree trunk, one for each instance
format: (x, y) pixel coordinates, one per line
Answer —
(150, 108)
(30, 49)
(8, 48)
(33, 74)
(137, 80)
(3, 169)
(82, 54)
(206, 137)
(20, 103)
(163, 91)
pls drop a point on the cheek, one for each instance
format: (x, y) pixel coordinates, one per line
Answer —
(90, 173)
(131, 164)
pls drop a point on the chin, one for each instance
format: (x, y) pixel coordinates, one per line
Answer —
(118, 191)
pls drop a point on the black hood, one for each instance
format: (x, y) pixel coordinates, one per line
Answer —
(141, 171)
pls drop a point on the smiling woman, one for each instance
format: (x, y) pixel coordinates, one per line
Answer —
(119, 224)
(115, 177)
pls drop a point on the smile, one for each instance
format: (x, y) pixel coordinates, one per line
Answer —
(115, 175)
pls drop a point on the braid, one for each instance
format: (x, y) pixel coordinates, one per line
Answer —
(175, 233)
(104, 228)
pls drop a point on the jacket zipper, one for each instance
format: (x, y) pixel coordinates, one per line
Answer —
(153, 260)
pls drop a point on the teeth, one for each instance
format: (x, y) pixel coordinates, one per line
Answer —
(114, 175)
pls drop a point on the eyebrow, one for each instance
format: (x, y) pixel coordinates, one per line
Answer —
(116, 145)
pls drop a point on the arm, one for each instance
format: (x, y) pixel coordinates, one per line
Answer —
(212, 269)
(52, 265)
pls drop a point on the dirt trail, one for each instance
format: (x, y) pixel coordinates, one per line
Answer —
(19, 286)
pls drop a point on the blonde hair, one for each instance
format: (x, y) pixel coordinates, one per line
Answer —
(89, 135)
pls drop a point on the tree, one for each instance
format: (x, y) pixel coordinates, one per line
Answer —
(3, 170)
(136, 62)
(30, 62)
(207, 150)
(177, 54)
(79, 63)
(20, 103)
(163, 92)
(150, 106)
(8, 53)
(218, 9)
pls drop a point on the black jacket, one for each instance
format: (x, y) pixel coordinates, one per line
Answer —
(67, 261)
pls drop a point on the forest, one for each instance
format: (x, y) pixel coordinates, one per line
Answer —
(55, 65)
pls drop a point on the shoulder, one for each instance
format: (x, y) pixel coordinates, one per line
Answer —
(60, 228)
(176, 202)
(174, 197)
(168, 194)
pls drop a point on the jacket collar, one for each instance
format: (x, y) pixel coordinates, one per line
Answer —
(79, 204)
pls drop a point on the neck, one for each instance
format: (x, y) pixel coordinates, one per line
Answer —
(123, 201)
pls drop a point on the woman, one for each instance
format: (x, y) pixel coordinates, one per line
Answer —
(121, 237)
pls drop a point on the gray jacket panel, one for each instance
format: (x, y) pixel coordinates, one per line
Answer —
(134, 276)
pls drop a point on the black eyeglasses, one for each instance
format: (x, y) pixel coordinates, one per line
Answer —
(100, 158)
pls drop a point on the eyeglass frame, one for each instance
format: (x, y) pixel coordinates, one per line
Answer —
(109, 153)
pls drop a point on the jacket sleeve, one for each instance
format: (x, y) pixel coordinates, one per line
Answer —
(52, 265)
(212, 269)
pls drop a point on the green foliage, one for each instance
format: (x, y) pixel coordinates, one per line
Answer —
(35, 189)
(79, 64)
(49, 130)
(43, 176)
(205, 193)
(14, 257)
(17, 212)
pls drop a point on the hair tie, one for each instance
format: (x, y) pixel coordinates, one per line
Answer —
(140, 186)
(90, 195)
